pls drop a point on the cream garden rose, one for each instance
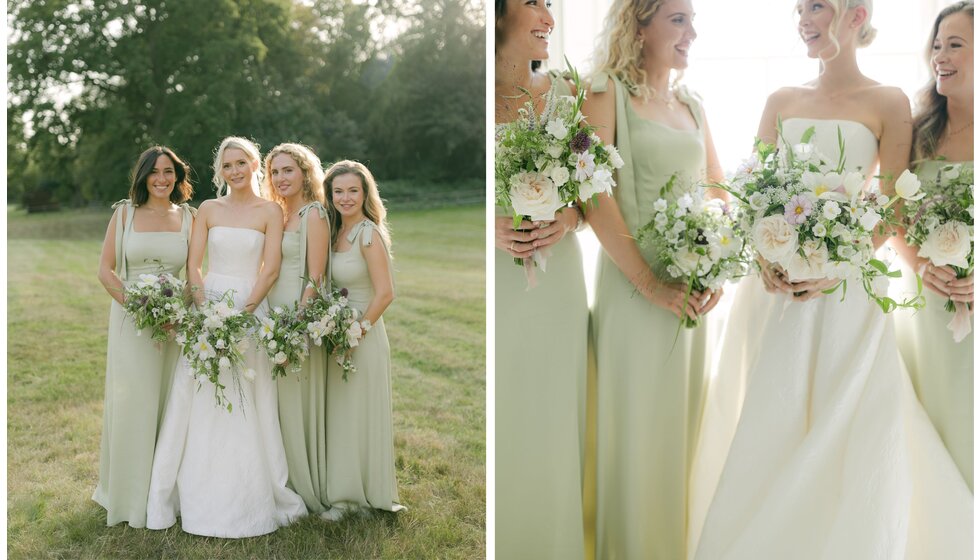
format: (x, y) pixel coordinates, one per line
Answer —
(534, 195)
(948, 244)
(774, 238)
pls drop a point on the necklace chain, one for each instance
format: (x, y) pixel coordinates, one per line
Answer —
(960, 129)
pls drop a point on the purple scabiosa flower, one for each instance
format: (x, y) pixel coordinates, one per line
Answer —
(798, 209)
(344, 292)
(580, 142)
(167, 292)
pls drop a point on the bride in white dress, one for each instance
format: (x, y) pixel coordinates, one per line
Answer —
(813, 445)
(225, 473)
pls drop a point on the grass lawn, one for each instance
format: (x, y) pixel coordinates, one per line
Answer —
(57, 321)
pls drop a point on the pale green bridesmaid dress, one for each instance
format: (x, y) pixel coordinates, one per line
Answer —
(360, 444)
(941, 369)
(302, 394)
(650, 389)
(540, 365)
(138, 375)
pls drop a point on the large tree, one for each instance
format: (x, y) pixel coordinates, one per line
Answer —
(94, 83)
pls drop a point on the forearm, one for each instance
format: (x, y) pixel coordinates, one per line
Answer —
(377, 307)
(195, 283)
(264, 283)
(113, 285)
(616, 241)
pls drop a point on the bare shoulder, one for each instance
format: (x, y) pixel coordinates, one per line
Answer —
(269, 209)
(601, 96)
(782, 97)
(888, 98)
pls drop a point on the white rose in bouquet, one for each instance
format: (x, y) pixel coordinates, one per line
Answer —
(811, 265)
(687, 261)
(534, 195)
(774, 238)
(948, 244)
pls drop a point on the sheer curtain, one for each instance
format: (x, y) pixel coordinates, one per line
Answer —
(747, 49)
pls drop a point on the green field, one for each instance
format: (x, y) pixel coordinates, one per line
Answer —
(57, 320)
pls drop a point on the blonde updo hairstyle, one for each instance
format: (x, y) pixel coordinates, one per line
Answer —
(252, 154)
(865, 35)
(308, 163)
(619, 53)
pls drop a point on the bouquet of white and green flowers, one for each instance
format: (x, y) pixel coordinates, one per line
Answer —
(816, 220)
(940, 224)
(212, 339)
(156, 302)
(332, 322)
(697, 241)
(548, 161)
(283, 336)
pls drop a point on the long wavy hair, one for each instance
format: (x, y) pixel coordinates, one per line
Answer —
(138, 192)
(499, 10)
(308, 163)
(618, 51)
(253, 155)
(866, 34)
(374, 207)
(931, 114)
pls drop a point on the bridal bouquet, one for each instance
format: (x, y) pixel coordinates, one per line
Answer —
(156, 302)
(332, 322)
(283, 336)
(545, 162)
(697, 241)
(212, 340)
(815, 220)
(940, 224)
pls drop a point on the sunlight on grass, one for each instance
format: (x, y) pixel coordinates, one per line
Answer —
(57, 318)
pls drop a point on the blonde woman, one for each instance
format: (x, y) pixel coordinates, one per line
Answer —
(832, 456)
(225, 473)
(360, 444)
(942, 369)
(294, 180)
(650, 388)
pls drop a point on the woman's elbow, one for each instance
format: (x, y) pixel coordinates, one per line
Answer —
(386, 298)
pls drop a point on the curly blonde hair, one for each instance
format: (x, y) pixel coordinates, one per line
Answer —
(866, 34)
(308, 163)
(619, 52)
(374, 207)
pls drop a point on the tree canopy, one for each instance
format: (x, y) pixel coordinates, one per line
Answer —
(396, 84)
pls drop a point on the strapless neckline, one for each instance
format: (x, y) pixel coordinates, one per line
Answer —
(859, 123)
(239, 228)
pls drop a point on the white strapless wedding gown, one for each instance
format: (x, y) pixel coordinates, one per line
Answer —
(813, 445)
(224, 473)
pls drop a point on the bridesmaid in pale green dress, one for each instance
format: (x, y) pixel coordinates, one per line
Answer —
(650, 387)
(148, 234)
(360, 443)
(294, 180)
(541, 334)
(942, 369)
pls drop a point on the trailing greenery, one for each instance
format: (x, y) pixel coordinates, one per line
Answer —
(56, 332)
(396, 84)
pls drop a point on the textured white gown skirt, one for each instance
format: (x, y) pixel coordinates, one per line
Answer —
(832, 457)
(224, 473)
